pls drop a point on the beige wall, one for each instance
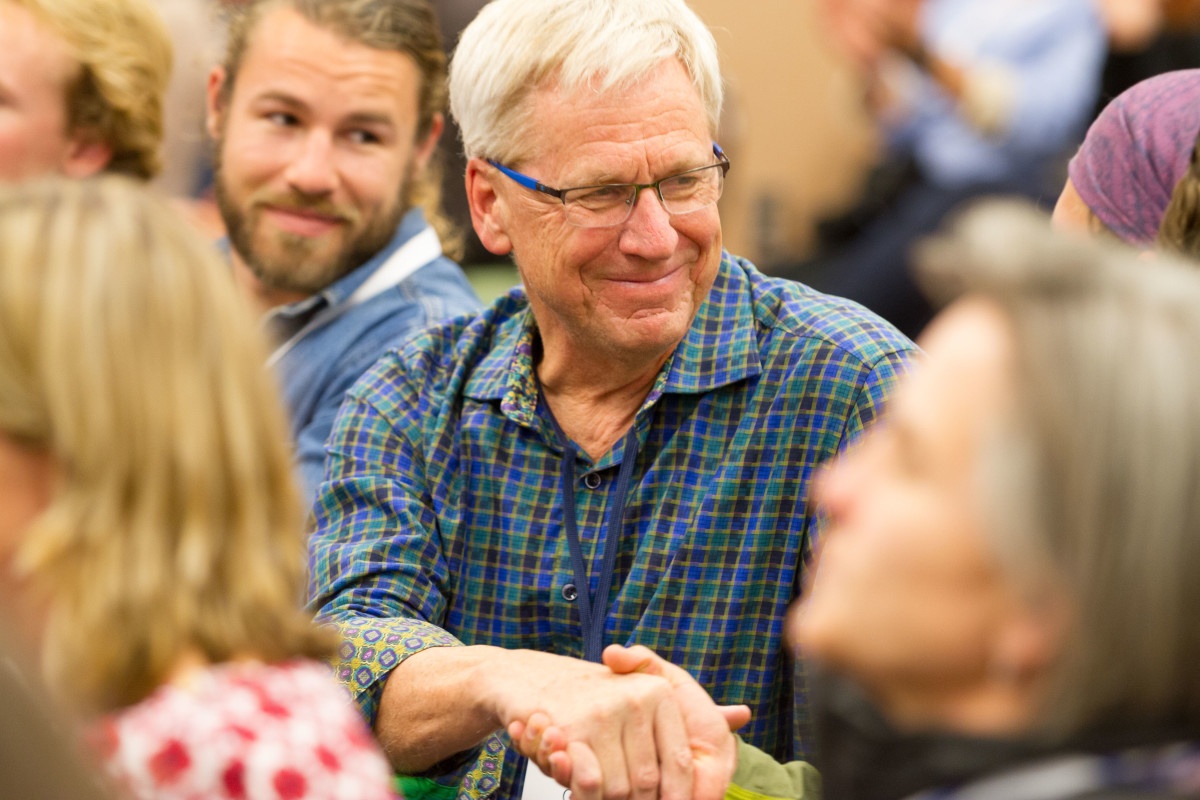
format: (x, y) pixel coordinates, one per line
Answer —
(793, 127)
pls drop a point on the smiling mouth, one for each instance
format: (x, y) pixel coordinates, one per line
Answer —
(302, 222)
(647, 280)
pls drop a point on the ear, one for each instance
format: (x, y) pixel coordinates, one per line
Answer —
(86, 155)
(488, 208)
(425, 147)
(215, 103)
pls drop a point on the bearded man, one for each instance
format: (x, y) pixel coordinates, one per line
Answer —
(326, 116)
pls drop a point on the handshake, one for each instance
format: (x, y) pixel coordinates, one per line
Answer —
(670, 742)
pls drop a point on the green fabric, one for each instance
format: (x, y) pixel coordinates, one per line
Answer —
(760, 777)
(412, 788)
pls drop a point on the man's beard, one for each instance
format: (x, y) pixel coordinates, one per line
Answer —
(291, 262)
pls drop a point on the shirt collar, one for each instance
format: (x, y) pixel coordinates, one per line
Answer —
(719, 348)
(721, 345)
(505, 372)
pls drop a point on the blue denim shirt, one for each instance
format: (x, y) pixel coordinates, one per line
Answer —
(323, 363)
(1053, 51)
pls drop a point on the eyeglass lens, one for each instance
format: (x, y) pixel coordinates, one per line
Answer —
(601, 206)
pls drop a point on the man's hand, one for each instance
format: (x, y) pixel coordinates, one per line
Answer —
(711, 745)
(628, 729)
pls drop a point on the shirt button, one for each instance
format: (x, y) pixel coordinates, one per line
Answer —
(592, 480)
(569, 592)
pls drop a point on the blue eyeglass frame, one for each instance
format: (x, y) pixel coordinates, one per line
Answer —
(538, 186)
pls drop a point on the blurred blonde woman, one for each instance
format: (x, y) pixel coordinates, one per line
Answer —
(151, 541)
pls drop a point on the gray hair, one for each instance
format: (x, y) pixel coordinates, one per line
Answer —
(1092, 488)
(514, 47)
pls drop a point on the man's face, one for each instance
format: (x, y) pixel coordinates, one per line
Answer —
(316, 148)
(35, 68)
(630, 290)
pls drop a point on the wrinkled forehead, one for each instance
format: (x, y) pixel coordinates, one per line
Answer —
(660, 113)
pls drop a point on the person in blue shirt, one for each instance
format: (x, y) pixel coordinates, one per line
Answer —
(619, 450)
(972, 97)
(325, 133)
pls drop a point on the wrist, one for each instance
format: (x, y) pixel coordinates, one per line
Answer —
(487, 675)
(430, 710)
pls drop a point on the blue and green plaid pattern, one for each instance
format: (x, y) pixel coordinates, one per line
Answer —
(441, 517)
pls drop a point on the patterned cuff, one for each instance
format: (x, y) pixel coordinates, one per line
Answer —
(372, 647)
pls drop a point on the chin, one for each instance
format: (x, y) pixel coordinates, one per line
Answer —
(649, 335)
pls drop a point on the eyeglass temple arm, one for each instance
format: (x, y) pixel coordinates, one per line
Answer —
(525, 180)
(724, 159)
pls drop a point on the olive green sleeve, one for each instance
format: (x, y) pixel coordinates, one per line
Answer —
(760, 777)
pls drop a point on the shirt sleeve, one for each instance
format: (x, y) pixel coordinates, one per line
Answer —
(309, 457)
(377, 571)
(873, 392)
(870, 402)
(1032, 74)
(760, 777)
(390, 323)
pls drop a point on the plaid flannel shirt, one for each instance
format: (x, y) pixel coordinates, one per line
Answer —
(440, 520)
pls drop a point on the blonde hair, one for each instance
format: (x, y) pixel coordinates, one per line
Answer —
(124, 55)
(514, 47)
(126, 354)
(1091, 487)
(402, 26)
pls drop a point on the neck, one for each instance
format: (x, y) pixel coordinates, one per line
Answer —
(262, 298)
(595, 400)
(185, 669)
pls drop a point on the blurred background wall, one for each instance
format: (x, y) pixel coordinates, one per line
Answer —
(793, 126)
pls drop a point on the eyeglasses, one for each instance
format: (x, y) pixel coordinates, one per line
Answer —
(609, 204)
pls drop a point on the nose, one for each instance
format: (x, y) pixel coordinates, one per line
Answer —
(648, 232)
(312, 171)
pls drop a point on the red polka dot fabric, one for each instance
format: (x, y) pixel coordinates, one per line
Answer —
(245, 731)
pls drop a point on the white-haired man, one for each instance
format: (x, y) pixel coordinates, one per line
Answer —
(617, 452)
